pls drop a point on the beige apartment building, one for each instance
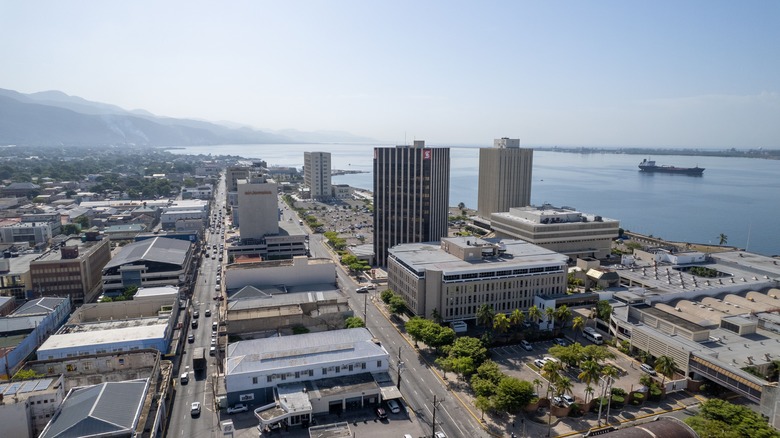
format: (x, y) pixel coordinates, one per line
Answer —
(316, 174)
(454, 277)
(564, 230)
(505, 172)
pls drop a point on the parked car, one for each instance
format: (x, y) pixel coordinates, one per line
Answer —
(648, 369)
(362, 290)
(440, 434)
(539, 362)
(526, 345)
(394, 406)
(213, 351)
(560, 341)
(381, 413)
(195, 410)
(240, 407)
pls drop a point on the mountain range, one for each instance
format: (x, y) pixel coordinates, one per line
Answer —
(53, 118)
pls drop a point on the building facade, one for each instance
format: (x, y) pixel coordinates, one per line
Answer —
(316, 174)
(411, 196)
(505, 172)
(563, 229)
(456, 276)
(152, 262)
(73, 269)
(258, 208)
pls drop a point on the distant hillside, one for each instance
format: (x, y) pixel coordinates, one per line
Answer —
(53, 118)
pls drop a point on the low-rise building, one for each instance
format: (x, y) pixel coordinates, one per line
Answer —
(293, 377)
(454, 277)
(563, 229)
(27, 328)
(27, 406)
(152, 262)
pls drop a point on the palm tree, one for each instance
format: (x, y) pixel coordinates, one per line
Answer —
(723, 239)
(517, 318)
(551, 371)
(563, 386)
(577, 324)
(550, 314)
(609, 371)
(535, 314)
(485, 315)
(501, 323)
(537, 384)
(461, 206)
(589, 390)
(590, 372)
(563, 315)
(666, 366)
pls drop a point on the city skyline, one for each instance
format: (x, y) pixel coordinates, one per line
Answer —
(693, 74)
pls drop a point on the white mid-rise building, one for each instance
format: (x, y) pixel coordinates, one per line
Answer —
(258, 208)
(316, 174)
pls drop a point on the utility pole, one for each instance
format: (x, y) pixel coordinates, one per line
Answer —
(398, 367)
(365, 308)
(433, 425)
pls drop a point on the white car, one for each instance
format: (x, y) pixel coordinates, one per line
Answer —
(394, 406)
(195, 411)
(237, 408)
(526, 345)
(648, 369)
(440, 434)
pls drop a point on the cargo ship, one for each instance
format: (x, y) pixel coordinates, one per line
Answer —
(650, 167)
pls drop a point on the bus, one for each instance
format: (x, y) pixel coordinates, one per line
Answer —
(593, 336)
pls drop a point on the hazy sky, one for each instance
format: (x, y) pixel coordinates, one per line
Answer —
(634, 73)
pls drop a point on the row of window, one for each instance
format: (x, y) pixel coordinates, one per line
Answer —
(310, 373)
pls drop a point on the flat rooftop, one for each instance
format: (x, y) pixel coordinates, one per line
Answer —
(55, 254)
(429, 255)
(107, 332)
(668, 317)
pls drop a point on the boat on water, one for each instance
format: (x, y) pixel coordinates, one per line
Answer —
(650, 167)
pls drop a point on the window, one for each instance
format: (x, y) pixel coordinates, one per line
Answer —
(379, 364)
(297, 374)
(254, 380)
(324, 371)
(269, 379)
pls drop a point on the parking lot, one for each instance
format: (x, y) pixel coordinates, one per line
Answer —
(348, 217)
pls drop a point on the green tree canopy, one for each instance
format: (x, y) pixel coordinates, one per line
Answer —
(354, 322)
(719, 418)
(512, 394)
(466, 346)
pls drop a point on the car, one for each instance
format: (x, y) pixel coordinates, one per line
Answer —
(440, 434)
(362, 290)
(558, 401)
(648, 369)
(394, 406)
(195, 409)
(560, 341)
(539, 362)
(195, 314)
(406, 435)
(191, 338)
(214, 325)
(381, 413)
(213, 351)
(216, 288)
(207, 312)
(526, 345)
(184, 378)
(551, 359)
(240, 407)
(567, 399)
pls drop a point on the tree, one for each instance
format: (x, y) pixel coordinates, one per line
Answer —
(563, 315)
(69, 229)
(483, 404)
(719, 418)
(82, 221)
(666, 366)
(563, 386)
(577, 324)
(590, 373)
(386, 295)
(512, 394)
(549, 314)
(415, 328)
(517, 318)
(603, 310)
(571, 355)
(466, 346)
(446, 365)
(26, 374)
(551, 372)
(461, 206)
(501, 323)
(396, 305)
(723, 239)
(437, 336)
(535, 314)
(354, 322)
(485, 315)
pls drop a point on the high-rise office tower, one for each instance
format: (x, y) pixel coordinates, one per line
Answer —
(316, 174)
(504, 177)
(411, 196)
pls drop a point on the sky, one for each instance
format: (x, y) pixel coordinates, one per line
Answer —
(683, 74)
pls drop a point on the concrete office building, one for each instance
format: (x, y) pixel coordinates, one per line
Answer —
(27, 406)
(504, 177)
(563, 229)
(152, 262)
(73, 268)
(258, 208)
(456, 276)
(316, 174)
(411, 196)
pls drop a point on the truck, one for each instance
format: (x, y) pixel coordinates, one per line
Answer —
(199, 359)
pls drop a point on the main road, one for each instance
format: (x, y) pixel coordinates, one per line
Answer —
(200, 387)
(419, 382)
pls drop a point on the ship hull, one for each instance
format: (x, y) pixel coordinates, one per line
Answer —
(651, 167)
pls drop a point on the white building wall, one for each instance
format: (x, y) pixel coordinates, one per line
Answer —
(258, 210)
(301, 272)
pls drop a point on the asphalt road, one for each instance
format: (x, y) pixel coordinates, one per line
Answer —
(200, 386)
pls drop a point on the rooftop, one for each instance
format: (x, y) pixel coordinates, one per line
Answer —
(55, 254)
(518, 253)
(107, 332)
(27, 387)
(159, 249)
(309, 349)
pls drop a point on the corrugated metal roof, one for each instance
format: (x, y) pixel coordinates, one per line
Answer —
(159, 249)
(111, 407)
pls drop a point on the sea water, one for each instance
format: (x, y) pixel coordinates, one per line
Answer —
(737, 197)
